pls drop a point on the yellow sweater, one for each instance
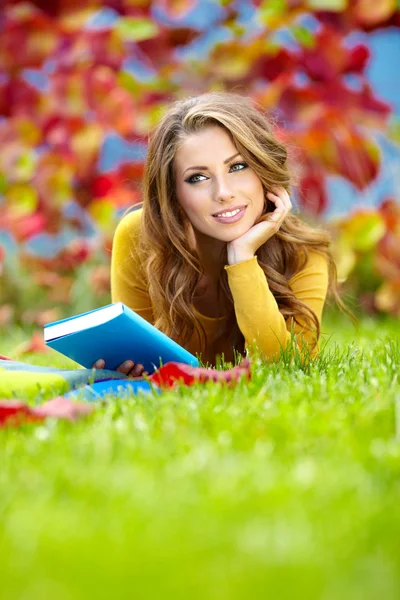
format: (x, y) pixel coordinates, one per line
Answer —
(257, 312)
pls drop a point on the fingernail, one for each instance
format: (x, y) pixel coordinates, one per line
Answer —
(128, 364)
(99, 363)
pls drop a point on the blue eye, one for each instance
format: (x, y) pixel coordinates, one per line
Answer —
(191, 180)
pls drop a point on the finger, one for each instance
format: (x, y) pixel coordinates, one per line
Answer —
(283, 203)
(281, 193)
(137, 370)
(274, 197)
(99, 364)
(276, 218)
(280, 207)
(126, 367)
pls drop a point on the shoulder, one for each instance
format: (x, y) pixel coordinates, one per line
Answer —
(130, 222)
(317, 264)
(128, 229)
(126, 238)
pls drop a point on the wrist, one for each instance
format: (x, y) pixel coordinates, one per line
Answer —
(236, 255)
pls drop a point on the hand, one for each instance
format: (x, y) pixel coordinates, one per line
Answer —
(245, 246)
(127, 368)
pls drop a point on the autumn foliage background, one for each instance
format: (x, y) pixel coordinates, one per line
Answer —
(82, 84)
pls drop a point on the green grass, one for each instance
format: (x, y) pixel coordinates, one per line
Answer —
(284, 487)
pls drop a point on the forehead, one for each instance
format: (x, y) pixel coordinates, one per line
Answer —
(211, 143)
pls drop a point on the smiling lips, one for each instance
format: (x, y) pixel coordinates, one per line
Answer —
(230, 216)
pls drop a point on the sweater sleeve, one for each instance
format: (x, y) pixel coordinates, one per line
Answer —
(257, 312)
(128, 281)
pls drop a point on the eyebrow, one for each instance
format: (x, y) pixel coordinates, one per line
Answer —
(203, 167)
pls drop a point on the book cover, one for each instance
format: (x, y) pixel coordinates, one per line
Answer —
(114, 333)
(113, 387)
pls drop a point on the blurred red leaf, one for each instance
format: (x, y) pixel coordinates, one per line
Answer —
(177, 9)
(54, 8)
(15, 412)
(62, 408)
(357, 59)
(87, 48)
(28, 37)
(174, 372)
(34, 345)
(25, 227)
(103, 184)
(17, 97)
(114, 105)
(57, 130)
(73, 255)
(181, 36)
(390, 210)
(365, 102)
(335, 146)
(312, 190)
(270, 67)
(159, 50)
(357, 162)
(330, 58)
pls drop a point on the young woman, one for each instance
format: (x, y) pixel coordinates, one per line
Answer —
(213, 257)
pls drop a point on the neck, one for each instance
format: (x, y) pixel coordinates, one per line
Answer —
(211, 253)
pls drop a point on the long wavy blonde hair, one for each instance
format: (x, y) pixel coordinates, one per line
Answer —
(172, 264)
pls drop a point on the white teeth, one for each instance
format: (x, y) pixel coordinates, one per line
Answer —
(228, 214)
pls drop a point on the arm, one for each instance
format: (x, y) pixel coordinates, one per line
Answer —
(311, 286)
(257, 311)
(128, 279)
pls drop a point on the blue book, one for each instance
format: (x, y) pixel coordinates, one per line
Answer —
(113, 387)
(114, 333)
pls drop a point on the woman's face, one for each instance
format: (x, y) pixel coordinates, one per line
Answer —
(221, 196)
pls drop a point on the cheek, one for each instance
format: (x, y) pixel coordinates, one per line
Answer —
(193, 203)
(254, 188)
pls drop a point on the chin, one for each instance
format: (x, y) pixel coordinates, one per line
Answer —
(232, 233)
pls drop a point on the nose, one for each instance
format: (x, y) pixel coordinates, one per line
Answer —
(222, 191)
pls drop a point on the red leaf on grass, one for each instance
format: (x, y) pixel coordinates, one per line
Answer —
(62, 408)
(14, 412)
(173, 372)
